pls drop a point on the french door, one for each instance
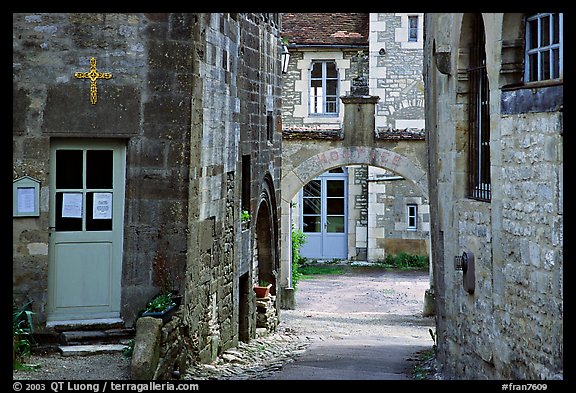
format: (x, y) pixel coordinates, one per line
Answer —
(323, 216)
(87, 180)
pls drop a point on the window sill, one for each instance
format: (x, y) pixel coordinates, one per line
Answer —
(533, 85)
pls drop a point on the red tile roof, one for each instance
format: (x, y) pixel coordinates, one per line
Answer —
(325, 28)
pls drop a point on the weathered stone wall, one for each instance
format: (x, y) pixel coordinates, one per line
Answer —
(239, 85)
(396, 71)
(511, 326)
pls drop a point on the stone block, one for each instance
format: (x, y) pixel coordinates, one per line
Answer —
(146, 348)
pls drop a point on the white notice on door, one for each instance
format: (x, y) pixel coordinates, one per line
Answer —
(72, 205)
(102, 207)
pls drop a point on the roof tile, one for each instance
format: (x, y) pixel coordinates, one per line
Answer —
(326, 28)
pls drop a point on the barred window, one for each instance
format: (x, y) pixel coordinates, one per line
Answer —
(479, 185)
(544, 48)
(323, 88)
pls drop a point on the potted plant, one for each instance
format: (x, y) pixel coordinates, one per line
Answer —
(245, 218)
(161, 306)
(262, 289)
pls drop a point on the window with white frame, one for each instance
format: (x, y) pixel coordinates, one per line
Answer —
(412, 217)
(323, 88)
(413, 28)
(544, 49)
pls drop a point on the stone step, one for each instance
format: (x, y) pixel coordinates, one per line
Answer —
(86, 350)
(74, 337)
(86, 324)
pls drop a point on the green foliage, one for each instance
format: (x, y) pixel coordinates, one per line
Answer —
(160, 302)
(245, 216)
(321, 269)
(22, 330)
(129, 350)
(298, 240)
(424, 368)
(404, 260)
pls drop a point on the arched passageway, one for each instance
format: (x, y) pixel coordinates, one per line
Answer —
(295, 178)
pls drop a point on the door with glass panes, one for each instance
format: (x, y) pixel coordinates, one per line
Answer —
(87, 179)
(323, 216)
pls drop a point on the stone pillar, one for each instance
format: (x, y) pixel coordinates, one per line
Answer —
(287, 300)
(266, 316)
(359, 123)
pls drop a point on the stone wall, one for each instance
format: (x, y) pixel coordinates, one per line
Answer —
(396, 71)
(511, 326)
(377, 218)
(240, 95)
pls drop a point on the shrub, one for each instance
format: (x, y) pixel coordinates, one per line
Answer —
(404, 260)
(22, 329)
(298, 240)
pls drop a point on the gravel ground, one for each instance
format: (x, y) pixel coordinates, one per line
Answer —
(362, 302)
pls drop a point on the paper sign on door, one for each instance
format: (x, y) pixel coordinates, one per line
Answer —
(72, 205)
(102, 207)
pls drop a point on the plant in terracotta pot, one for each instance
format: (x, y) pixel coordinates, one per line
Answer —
(262, 289)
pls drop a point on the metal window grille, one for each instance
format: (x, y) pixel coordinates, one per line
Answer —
(479, 185)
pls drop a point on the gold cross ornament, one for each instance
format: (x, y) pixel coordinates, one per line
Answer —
(93, 75)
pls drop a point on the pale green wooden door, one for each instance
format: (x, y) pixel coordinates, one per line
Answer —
(87, 179)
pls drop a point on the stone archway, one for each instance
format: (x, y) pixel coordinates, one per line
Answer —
(297, 177)
(294, 178)
(266, 241)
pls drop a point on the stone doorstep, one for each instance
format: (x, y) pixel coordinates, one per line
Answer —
(84, 350)
(96, 336)
(86, 324)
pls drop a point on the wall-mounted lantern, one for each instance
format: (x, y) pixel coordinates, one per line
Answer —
(285, 59)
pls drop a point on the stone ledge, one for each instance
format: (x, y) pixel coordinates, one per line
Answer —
(86, 324)
(83, 350)
(307, 133)
(406, 134)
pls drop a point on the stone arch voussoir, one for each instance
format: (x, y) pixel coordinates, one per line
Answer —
(295, 178)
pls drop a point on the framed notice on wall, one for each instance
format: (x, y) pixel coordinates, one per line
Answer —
(25, 197)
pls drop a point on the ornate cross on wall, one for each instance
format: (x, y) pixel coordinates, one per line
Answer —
(93, 75)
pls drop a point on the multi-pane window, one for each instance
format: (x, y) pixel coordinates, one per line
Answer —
(413, 28)
(544, 49)
(479, 183)
(312, 206)
(324, 88)
(412, 217)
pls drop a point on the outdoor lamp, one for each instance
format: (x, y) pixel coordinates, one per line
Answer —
(285, 59)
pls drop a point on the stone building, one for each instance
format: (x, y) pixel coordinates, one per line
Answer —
(494, 116)
(356, 211)
(138, 139)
